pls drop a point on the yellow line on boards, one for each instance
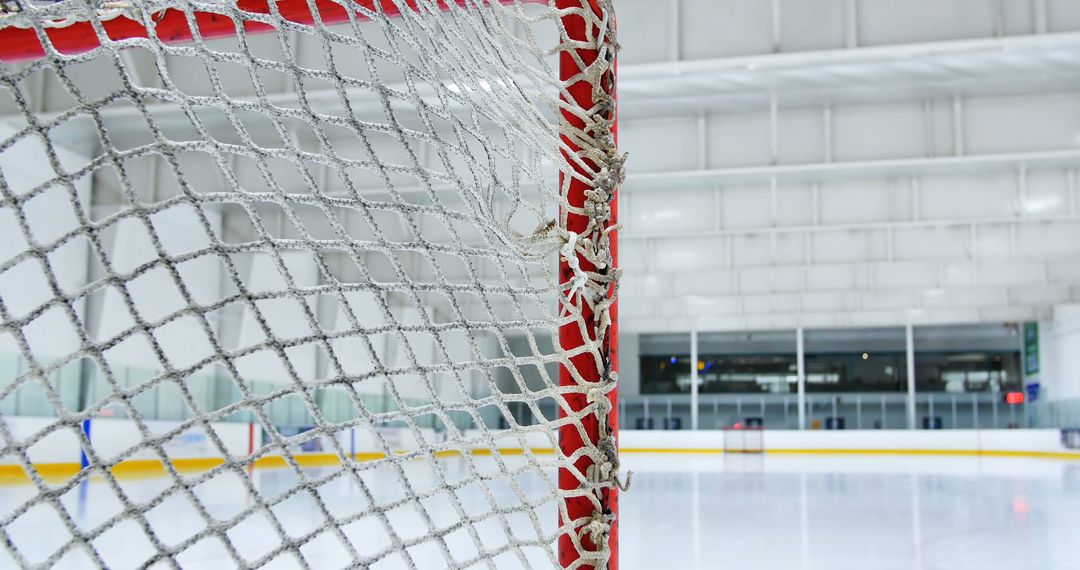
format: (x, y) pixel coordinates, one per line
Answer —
(669, 450)
(954, 452)
(515, 451)
(11, 474)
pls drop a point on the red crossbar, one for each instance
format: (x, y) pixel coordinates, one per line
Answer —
(172, 25)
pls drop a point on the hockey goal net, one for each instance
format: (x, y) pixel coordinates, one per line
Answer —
(339, 276)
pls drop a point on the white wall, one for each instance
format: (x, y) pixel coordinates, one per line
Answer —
(700, 29)
(853, 183)
(824, 194)
(1037, 441)
(113, 437)
(154, 294)
(284, 317)
(935, 247)
(1063, 361)
(26, 287)
(629, 364)
(1033, 440)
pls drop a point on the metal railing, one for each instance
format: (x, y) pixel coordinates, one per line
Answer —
(847, 411)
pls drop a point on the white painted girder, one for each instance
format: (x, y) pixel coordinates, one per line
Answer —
(980, 164)
(970, 67)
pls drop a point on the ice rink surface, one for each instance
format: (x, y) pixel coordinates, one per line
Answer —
(684, 511)
(852, 512)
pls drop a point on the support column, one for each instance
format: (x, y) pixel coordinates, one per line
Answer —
(958, 126)
(675, 29)
(800, 360)
(1041, 17)
(851, 24)
(910, 342)
(693, 379)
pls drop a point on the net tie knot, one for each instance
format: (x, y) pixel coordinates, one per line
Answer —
(581, 279)
(598, 528)
(598, 395)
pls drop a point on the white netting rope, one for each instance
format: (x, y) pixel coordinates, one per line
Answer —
(21, 13)
(421, 207)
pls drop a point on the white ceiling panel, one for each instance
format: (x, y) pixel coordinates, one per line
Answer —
(969, 196)
(830, 277)
(757, 280)
(1048, 193)
(656, 213)
(849, 246)
(924, 20)
(1011, 272)
(745, 207)
(932, 242)
(794, 204)
(741, 139)
(724, 28)
(754, 250)
(660, 144)
(994, 240)
(819, 166)
(852, 201)
(1048, 239)
(879, 131)
(907, 275)
(686, 255)
(705, 283)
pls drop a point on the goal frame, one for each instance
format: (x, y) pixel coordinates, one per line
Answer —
(571, 333)
(173, 26)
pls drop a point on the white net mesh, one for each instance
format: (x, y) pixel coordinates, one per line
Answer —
(331, 249)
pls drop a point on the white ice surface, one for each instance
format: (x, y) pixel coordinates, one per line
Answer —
(684, 511)
(851, 512)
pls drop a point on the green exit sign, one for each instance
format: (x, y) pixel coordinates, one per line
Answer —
(1031, 348)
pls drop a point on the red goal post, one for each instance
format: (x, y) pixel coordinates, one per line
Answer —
(573, 334)
(174, 26)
